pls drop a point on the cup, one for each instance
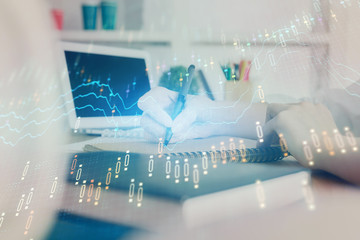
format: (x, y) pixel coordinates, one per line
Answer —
(108, 14)
(58, 16)
(235, 90)
(89, 16)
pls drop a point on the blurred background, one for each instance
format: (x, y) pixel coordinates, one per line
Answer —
(290, 49)
(295, 47)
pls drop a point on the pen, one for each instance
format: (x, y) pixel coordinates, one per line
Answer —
(180, 103)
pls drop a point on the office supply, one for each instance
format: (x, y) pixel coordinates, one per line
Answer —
(247, 155)
(240, 87)
(216, 79)
(247, 71)
(202, 192)
(227, 71)
(233, 71)
(180, 103)
(146, 147)
(103, 85)
(236, 72)
(206, 85)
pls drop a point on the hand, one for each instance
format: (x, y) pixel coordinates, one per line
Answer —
(295, 122)
(158, 105)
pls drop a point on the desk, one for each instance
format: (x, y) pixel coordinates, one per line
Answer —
(336, 216)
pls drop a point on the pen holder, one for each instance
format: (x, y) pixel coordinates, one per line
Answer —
(235, 90)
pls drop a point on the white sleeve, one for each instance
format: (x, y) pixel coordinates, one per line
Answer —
(344, 104)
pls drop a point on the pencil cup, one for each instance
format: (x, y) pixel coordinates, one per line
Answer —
(89, 16)
(108, 14)
(238, 90)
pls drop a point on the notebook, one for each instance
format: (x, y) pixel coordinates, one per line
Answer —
(204, 186)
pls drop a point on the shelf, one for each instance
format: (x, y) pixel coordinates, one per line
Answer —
(116, 37)
(233, 40)
(166, 39)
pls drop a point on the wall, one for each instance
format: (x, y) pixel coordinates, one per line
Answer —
(207, 30)
(344, 67)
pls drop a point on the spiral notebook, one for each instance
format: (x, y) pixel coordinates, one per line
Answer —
(199, 181)
(224, 147)
(245, 155)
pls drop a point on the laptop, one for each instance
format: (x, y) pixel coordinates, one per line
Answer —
(102, 86)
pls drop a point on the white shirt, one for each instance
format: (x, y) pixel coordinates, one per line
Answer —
(344, 105)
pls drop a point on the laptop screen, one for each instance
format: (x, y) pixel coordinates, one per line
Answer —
(104, 85)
